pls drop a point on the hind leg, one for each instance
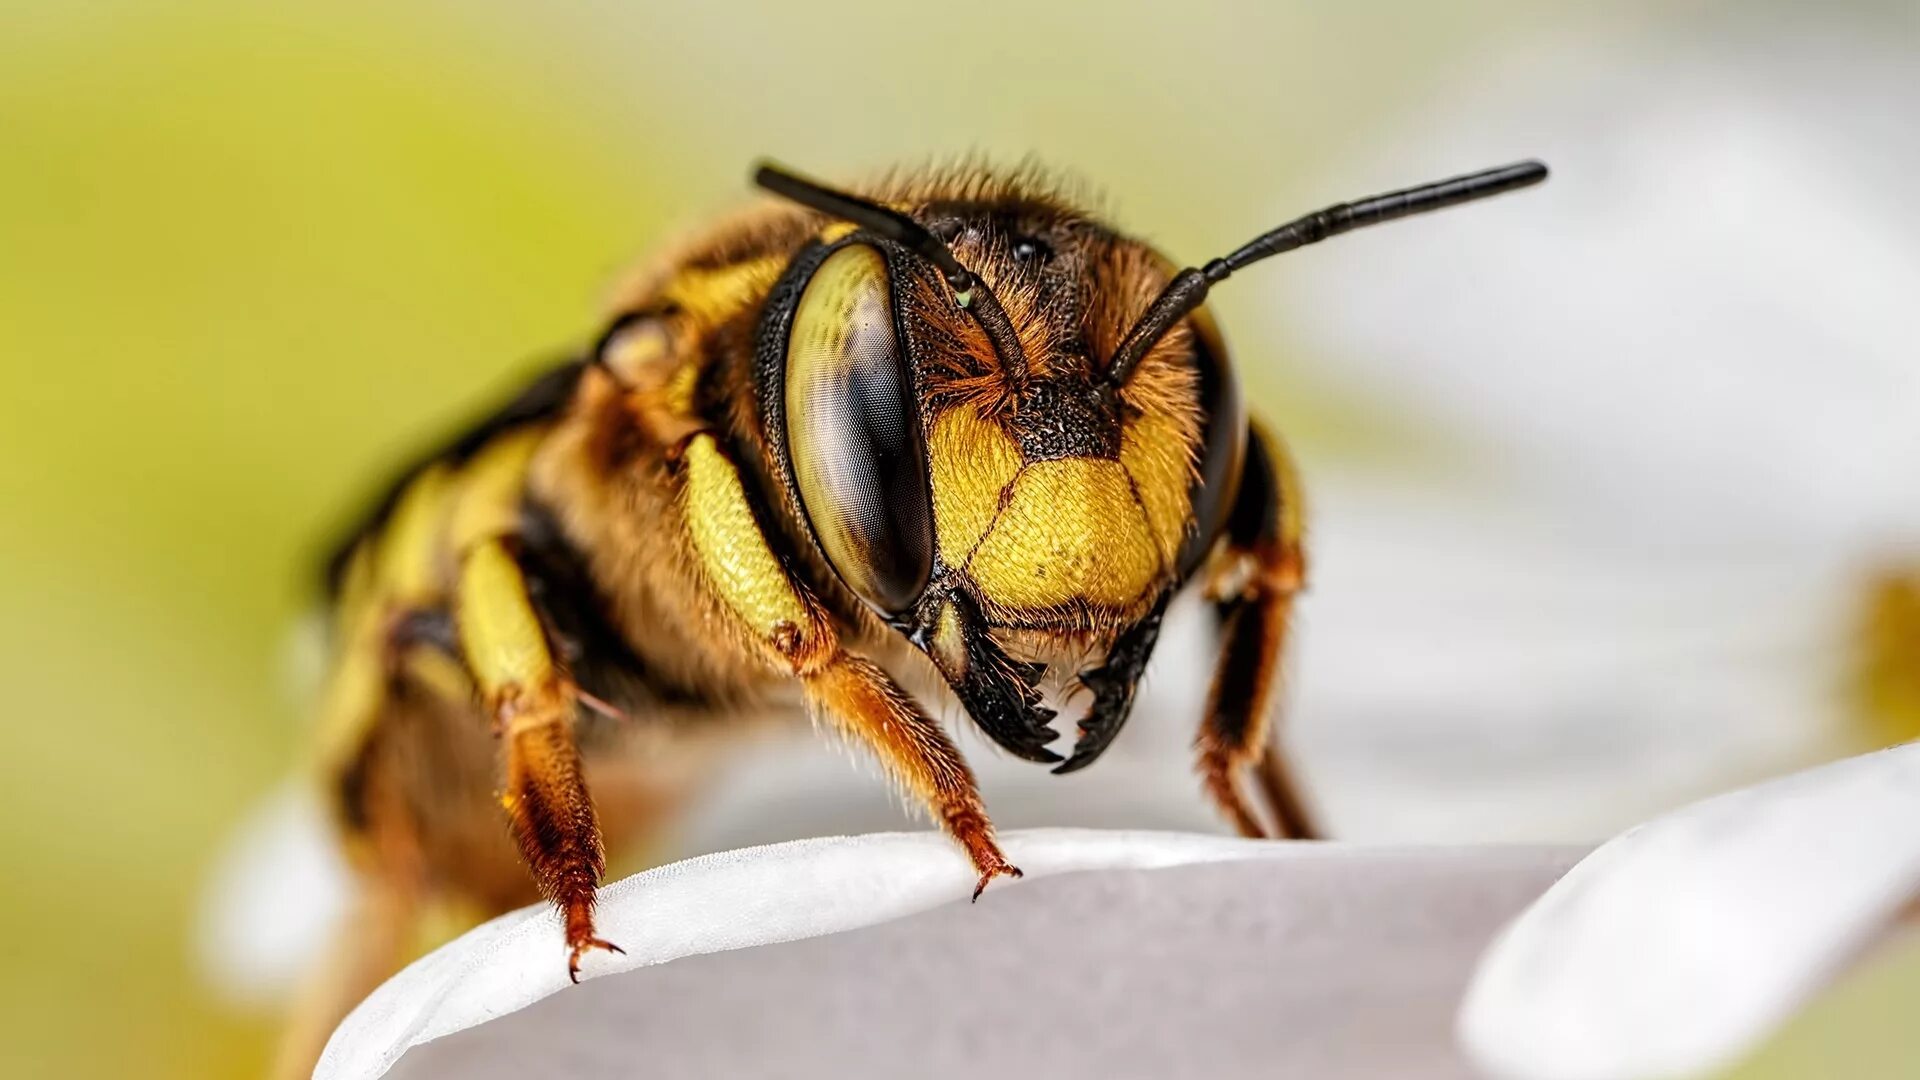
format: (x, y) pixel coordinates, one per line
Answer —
(412, 802)
(377, 933)
(1257, 577)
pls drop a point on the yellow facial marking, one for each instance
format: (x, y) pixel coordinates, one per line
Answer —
(971, 460)
(732, 552)
(950, 642)
(1154, 449)
(1072, 531)
(837, 230)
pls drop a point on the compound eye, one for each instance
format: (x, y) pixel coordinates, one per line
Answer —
(1223, 441)
(853, 432)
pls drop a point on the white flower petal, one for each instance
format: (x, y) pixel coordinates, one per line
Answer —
(1675, 947)
(719, 902)
(276, 892)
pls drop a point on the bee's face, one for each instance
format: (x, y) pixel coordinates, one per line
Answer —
(959, 494)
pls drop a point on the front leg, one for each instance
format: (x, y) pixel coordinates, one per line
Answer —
(1255, 577)
(863, 702)
(776, 616)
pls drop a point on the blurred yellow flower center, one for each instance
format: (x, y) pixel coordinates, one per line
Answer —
(1887, 666)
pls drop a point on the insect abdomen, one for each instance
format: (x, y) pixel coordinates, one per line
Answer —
(539, 401)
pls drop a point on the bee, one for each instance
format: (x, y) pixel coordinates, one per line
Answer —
(951, 428)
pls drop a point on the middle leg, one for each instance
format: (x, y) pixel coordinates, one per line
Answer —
(532, 704)
(1262, 570)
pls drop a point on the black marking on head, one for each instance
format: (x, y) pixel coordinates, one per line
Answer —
(1065, 417)
(1114, 684)
(1001, 694)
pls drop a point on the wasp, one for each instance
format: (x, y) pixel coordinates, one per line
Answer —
(951, 429)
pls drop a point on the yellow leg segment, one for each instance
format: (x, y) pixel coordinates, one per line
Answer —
(777, 614)
(532, 705)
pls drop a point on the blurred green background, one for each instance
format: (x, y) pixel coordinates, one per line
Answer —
(250, 254)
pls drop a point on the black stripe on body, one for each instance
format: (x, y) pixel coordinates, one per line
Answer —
(541, 399)
(583, 634)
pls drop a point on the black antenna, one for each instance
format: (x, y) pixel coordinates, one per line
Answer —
(969, 291)
(1189, 287)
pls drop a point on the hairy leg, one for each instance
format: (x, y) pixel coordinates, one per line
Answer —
(1257, 576)
(532, 704)
(862, 701)
(775, 615)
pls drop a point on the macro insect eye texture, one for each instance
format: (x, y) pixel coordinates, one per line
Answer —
(853, 432)
(1223, 441)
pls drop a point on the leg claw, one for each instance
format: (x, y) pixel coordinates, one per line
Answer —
(573, 957)
(992, 872)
